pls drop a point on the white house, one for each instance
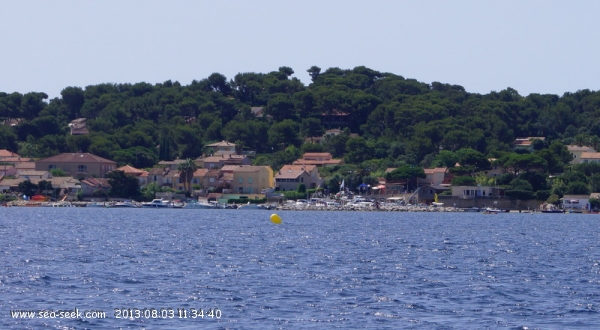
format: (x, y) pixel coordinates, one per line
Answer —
(578, 151)
(576, 202)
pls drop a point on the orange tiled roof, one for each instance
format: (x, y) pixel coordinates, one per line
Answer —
(6, 153)
(200, 172)
(317, 162)
(25, 165)
(248, 168)
(578, 148)
(16, 159)
(590, 155)
(289, 174)
(131, 170)
(306, 168)
(310, 155)
(229, 168)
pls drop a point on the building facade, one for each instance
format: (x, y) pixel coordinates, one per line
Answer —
(252, 179)
(81, 165)
(290, 176)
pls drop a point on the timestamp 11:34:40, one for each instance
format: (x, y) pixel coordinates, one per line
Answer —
(184, 313)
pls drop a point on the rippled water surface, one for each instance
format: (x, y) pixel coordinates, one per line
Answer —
(348, 270)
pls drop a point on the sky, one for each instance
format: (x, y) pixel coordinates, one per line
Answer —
(546, 47)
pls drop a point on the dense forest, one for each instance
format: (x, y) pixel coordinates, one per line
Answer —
(394, 122)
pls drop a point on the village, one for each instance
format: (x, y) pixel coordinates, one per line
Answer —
(224, 175)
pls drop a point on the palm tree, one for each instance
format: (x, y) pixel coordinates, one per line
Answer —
(186, 173)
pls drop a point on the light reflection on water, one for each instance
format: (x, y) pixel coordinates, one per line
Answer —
(316, 270)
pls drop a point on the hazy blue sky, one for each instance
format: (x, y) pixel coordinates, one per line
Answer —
(531, 46)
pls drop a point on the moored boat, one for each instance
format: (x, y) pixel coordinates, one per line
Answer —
(96, 204)
(124, 204)
(552, 211)
(251, 206)
(157, 203)
(490, 210)
(199, 205)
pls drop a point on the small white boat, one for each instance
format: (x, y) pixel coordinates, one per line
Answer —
(437, 204)
(490, 210)
(251, 206)
(199, 205)
(157, 203)
(97, 204)
(124, 204)
(61, 204)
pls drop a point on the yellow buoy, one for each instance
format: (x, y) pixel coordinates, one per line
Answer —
(275, 219)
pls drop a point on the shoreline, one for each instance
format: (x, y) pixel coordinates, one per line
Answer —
(383, 208)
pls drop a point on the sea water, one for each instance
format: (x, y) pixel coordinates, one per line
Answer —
(158, 269)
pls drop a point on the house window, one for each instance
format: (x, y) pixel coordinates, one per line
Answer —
(51, 167)
(240, 180)
(81, 168)
(211, 180)
(240, 190)
(249, 180)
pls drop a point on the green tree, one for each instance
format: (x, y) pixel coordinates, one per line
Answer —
(445, 158)
(32, 104)
(123, 185)
(44, 186)
(301, 188)
(516, 163)
(311, 127)
(472, 159)
(314, 72)
(286, 70)
(165, 148)
(186, 173)
(189, 141)
(463, 181)
(578, 188)
(553, 199)
(8, 139)
(103, 147)
(281, 107)
(406, 172)
(284, 133)
(78, 143)
(27, 188)
(57, 172)
(336, 145)
(73, 98)
(358, 150)
(150, 190)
